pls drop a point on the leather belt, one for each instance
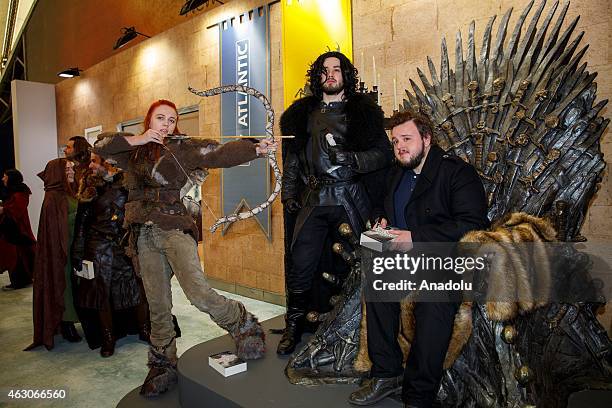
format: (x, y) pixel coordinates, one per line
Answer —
(155, 195)
(314, 183)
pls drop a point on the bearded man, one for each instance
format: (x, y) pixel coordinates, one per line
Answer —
(77, 150)
(339, 140)
(431, 196)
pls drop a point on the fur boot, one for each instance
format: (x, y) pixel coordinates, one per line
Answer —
(249, 336)
(162, 374)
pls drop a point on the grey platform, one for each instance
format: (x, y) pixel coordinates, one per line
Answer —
(264, 384)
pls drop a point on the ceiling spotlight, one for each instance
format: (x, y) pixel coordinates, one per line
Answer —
(70, 73)
(129, 33)
(192, 5)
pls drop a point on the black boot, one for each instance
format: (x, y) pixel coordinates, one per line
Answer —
(144, 323)
(69, 332)
(108, 343)
(107, 348)
(177, 328)
(297, 301)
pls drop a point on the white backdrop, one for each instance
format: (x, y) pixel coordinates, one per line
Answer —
(35, 133)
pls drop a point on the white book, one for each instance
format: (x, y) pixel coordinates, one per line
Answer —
(227, 363)
(375, 241)
(87, 270)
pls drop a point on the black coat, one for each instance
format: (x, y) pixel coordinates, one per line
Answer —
(365, 136)
(98, 234)
(447, 202)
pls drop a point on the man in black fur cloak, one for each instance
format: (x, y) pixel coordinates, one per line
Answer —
(328, 167)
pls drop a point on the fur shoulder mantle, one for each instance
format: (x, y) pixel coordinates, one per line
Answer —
(365, 122)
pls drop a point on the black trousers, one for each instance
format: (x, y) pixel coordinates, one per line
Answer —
(309, 244)
(424, 368)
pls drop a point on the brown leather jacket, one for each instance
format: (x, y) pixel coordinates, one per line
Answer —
(155, 188)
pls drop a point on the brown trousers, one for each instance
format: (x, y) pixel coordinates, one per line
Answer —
(162, 254)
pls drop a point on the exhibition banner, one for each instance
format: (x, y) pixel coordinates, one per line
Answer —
(244, 49)
(310, 28)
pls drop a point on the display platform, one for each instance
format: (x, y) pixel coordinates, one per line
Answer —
(264, 384)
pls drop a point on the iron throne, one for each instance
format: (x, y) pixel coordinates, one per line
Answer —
(523, 114)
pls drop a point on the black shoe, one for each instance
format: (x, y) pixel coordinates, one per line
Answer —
(374, 390)
(69, 332)
(291, 338)
(107, 348)
(12, 286)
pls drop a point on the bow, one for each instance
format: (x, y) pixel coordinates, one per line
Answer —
(228, 219)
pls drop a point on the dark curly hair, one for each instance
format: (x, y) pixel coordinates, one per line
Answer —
(82, 149)
(349, 74)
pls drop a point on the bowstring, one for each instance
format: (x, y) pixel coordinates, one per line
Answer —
(192, 183)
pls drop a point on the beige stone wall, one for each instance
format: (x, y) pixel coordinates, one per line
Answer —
(400, 34)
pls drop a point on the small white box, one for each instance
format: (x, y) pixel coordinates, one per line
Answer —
(227, 363)
(87, 270)
(374, 241)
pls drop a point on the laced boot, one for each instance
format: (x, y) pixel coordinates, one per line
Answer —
(108, 343)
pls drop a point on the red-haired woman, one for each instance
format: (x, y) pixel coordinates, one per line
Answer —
(166, 235)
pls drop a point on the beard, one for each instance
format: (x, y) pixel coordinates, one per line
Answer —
(414, 161)
(333, 89)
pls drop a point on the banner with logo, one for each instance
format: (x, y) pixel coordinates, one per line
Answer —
(310, 28)
(244, 49)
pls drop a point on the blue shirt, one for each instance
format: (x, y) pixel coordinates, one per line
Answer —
(401, 197)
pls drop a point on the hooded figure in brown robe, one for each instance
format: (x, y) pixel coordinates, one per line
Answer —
(53, 305)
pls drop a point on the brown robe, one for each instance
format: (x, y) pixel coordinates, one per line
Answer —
(52, 254)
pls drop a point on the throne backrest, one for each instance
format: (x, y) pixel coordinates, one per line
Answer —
(523, 113)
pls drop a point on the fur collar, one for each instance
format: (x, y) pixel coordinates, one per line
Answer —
(365, 119)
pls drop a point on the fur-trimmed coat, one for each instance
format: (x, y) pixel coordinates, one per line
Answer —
(365, 136)
(97, 238)
(154, 188)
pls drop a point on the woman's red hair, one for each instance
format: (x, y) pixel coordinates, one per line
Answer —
(152, 151)
(154, 105)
